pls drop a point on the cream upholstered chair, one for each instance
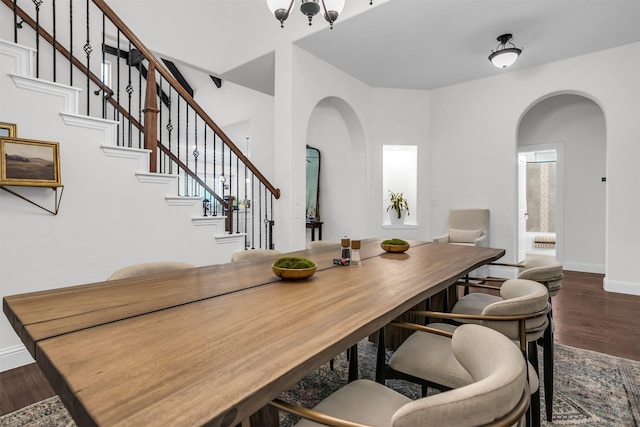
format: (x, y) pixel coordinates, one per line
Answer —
(253, 254)
(424, 358)
(467, 227)
(496, 394)
(322, 244)
(547, 271)
(147, 268)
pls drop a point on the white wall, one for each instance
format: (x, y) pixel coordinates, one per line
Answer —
(473, 148)
(578, 125)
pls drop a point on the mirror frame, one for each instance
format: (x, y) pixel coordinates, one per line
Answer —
(312, 204)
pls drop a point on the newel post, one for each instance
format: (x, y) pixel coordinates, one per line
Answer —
(151, 118)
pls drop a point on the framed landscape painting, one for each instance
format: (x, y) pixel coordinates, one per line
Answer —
(29, 163)
(8, 129)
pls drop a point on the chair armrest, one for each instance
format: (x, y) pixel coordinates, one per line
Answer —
(485, 279)
(312, 415)
(507, 264)
(423, 328)
(441, 239)
(481, 241)
(478, 285)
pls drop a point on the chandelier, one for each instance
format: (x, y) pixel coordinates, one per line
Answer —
(331, 9)
(504, 56)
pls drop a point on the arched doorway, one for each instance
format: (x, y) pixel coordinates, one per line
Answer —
(336, 131)
(566, 131)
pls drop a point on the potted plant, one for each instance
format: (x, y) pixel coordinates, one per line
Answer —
(398, 209)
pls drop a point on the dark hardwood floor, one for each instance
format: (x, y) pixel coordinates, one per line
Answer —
(585, 316)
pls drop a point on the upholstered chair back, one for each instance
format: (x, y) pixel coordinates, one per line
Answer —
(500, 380)
(253, 254)
(467, 227)
(546, 270)
(321, 244)
(519, 296)
(148, 268)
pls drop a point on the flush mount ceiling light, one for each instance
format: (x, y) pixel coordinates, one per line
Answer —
(331, 9)
(504, 56)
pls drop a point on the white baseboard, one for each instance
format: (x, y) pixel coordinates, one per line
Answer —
(629, 288)
(14, 357)
(583, 267)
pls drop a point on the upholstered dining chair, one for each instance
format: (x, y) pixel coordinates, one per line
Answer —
(148, 268)
(322, 244)
(467, 227)
(496, 394)
(253, 254)
(547, 271)
(424, 358)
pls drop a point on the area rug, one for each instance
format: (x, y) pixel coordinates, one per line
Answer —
(591, 390)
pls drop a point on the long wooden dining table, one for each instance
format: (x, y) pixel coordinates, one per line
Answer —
(212, 345)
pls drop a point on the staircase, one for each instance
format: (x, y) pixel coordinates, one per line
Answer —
(85, 45)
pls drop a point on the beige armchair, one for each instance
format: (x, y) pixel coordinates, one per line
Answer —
(467, 227)
(497, 393)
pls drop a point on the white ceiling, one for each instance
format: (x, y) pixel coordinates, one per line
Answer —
(407, 44)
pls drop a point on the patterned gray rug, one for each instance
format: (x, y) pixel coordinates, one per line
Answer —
(591, 390)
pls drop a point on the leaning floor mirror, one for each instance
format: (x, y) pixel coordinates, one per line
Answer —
(313, 184)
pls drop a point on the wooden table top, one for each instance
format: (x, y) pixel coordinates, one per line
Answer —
(212, 345)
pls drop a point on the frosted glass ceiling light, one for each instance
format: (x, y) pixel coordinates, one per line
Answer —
(331, 9)
(504, 56)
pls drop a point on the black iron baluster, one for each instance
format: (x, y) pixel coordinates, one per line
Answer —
(231, 199)
(16, 25)
(260, 215)
(163, 157)
(37, 4)
(55, 40)
(129, 90)
(186, 149)
(253, 219)
(140, 103)
(223, 179)
(178, 130)
(271, 224)
(88, 49)
(170, 127)
(71, 42)
(205, 154)
(215, 205)
(196, 154)
(238, 194)
(103, 70)
(116, 111)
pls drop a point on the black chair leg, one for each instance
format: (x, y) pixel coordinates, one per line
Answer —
(535, 397)
(380, 357)
(548, 357)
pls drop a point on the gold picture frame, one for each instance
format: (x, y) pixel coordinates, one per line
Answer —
(8, 130)
(30, 163)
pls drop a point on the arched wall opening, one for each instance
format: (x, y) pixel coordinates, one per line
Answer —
(336, 131)
(573, 125)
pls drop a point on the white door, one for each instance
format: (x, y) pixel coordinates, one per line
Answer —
(522, 207)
